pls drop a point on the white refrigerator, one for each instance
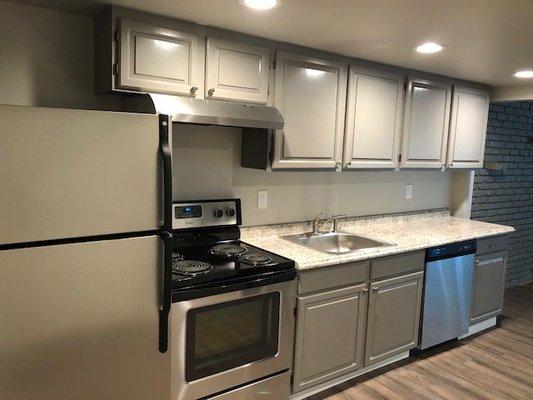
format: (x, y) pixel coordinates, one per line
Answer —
(83, 285)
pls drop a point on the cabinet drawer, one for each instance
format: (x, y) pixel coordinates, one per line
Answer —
(492, 244)
(330, 277)
(397, 265)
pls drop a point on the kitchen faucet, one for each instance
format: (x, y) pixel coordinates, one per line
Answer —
(317, 223)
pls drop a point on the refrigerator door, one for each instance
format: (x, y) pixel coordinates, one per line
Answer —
(75, 173)
(79, 322)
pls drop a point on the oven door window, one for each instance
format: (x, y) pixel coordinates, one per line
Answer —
(224, 336)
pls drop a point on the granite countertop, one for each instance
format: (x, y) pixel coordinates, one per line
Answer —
(409, 231)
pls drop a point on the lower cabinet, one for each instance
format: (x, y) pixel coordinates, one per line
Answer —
(330, 330)
(393, 316)
(488, 287)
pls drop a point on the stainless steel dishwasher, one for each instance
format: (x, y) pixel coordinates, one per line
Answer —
(447, 292)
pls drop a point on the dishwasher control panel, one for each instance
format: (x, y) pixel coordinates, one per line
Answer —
(451, 250)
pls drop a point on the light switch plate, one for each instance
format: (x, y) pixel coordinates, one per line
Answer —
(409, 191)
(262, 199)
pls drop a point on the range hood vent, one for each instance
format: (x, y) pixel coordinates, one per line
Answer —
(206, 112)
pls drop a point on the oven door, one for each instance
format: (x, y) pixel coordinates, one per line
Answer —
(231, 339)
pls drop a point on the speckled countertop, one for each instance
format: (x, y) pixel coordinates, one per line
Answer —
(409, 231)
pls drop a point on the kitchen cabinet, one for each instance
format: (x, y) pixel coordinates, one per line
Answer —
(373, 119)
(468, 127)
(329, 335)
(156, 59)
(311, 95)
(236, 71)
(393, 316)
(489, 278)
(425, 124)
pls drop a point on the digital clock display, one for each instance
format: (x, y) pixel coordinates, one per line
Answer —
(182, 212)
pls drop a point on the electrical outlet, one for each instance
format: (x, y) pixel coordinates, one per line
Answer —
(409, 191)
(262, 199)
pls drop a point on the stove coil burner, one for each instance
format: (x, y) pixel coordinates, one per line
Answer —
(255, 259)
(190, 267)
(228, 250)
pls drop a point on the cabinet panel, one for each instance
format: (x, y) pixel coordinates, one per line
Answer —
(329, 335)
(311, 95)
(393, 316)
(426, 122)
(237, 71)
(158, 60)
(374, 112)
(468, 128)
(489, 286)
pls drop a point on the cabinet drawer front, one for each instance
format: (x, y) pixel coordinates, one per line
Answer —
(236, 71)
(492, 244)
(330, 277)
(396, 265)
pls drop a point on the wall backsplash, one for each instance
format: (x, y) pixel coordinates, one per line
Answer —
(207, 165)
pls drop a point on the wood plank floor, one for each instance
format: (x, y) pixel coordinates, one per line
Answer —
(496, 365)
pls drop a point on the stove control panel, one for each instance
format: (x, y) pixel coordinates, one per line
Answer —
(206, 213)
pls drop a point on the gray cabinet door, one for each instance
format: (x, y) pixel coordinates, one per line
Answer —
(311, 95)
(468, 127)
(489, 285)
(161, 60)
(425, 124)
(329, 335)
(373, 120)
(393, 316)
(237, 71)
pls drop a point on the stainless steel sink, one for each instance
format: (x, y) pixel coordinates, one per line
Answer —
(336, 242)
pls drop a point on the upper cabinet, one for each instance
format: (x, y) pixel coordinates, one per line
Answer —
(373, 119)
(311, 95)
(236, 71)
(468, 127)
(425, 124)
(154, 59)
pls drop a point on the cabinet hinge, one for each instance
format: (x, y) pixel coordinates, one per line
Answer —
(270, 155)
(405, 86)
(399, 158)
(275, 63)
(292, 379)
(115, 69)
(295, 311)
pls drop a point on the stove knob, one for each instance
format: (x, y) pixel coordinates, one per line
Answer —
(230, 212)
(218, 213)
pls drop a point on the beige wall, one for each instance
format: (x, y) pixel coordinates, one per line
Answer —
(207, 165)
(46, 59)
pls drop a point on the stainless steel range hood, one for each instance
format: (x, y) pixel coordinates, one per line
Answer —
(207, 112)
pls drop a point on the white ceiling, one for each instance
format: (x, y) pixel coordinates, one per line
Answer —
(488, 40)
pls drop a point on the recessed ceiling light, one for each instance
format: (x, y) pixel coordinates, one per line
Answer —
(526, 73)
(260, 4)
(429, 48)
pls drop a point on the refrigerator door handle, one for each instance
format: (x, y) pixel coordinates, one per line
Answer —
(166, 231)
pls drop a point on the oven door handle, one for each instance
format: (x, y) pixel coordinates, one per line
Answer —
(166, 231)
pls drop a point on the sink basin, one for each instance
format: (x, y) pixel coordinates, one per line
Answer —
(336, 242)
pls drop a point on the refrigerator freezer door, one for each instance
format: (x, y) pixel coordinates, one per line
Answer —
(79, 321)
(74, 173)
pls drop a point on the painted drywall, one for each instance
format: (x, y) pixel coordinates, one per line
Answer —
(207, 165)
(46, 59)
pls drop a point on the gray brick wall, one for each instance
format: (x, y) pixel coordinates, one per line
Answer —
(506, 196)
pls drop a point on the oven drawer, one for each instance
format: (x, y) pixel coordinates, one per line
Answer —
(274, 388)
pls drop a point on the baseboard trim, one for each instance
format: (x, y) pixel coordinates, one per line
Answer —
(480, 326)
(329, 384)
